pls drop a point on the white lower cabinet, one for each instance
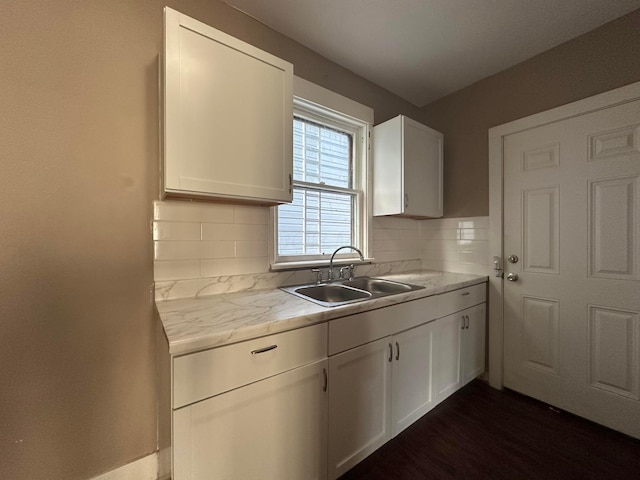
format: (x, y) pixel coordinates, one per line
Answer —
(388, 367)
(253, 410)
(276, 408)
(446, 356)
(376, 391)
(359, 402)
(473, 343)
(272, 429)
(411, 376)
(459, 350)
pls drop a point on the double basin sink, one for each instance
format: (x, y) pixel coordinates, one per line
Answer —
(343, 292)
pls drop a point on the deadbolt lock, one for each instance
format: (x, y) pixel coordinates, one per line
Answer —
(512, 259)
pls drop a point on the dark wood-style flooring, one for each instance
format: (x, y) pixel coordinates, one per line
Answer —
(483, 433)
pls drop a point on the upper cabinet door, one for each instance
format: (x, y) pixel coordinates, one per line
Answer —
(407, 169)
(423, 170)
(228, 116)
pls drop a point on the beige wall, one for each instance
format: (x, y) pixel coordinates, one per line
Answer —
(79, 157)
(598, 61)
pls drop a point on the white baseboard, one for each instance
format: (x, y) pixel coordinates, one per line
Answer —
(156, 466)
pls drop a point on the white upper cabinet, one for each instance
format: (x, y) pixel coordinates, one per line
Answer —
(228, 116)
(407, 169)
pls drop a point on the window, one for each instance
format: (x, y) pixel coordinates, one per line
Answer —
(329, 179)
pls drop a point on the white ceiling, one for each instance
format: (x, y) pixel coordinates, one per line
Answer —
(422, 50)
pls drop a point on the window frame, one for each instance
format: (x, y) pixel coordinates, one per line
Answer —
(334, 117)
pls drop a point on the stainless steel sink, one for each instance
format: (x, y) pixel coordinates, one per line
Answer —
(349, 291)
(331, 293)
(379, 286)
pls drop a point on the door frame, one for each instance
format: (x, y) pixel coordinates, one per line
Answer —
(601, 101)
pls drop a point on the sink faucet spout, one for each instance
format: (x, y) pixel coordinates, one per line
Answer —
(330, 275)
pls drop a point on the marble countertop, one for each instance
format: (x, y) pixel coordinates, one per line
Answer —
(193, 324)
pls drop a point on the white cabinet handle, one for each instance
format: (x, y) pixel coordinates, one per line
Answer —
(262, 350)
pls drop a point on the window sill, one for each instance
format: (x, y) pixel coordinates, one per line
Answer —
(318, 264)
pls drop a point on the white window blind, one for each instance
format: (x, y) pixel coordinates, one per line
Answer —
(321, 217)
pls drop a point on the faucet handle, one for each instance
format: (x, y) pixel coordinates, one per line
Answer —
(341, 272)
(352, 270)
(318, 273)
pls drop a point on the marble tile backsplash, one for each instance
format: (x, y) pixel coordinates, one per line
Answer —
(200, 287)
(455, 245)
(204, 249)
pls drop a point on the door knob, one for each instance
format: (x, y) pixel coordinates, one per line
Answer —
(512, 259)
(512, 277)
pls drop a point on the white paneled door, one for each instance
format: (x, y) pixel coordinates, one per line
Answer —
(572, 219)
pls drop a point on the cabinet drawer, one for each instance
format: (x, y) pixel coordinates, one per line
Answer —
(210, 372)
(457, 300)
(354, 330)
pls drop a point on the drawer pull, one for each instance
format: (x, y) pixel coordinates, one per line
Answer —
(326, 380)
(262, 350)
(465, 293)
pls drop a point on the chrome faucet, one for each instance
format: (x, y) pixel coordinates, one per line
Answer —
(330, 275)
